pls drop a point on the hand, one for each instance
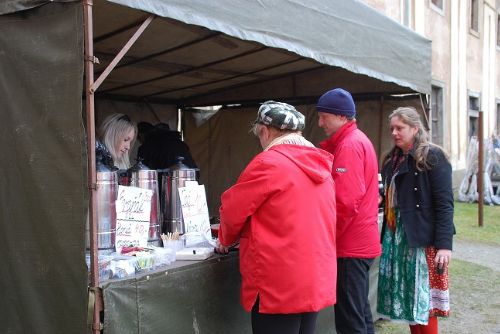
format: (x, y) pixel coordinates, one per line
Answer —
(221, 249)
(443, 258)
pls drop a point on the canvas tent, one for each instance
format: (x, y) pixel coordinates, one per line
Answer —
(193, 53)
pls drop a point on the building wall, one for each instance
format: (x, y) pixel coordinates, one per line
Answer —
(491, 69)
(464, 62)
(458, 105)
(390, 8)
(437, 27)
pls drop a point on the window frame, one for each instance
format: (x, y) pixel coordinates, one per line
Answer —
(472, 113)
(407, 13)
(498, 30)
(472, 30)
(436, 8)
(497, 128)
(442, 112)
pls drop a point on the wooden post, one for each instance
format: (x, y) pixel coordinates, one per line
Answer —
(91, 170)
(480, 168)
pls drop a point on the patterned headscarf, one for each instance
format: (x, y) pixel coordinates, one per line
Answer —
(280, 115)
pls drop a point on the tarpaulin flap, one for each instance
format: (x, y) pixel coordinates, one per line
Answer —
(200, 297)
(12, 6)
(346, 34)
(223, 145)
(42, 195)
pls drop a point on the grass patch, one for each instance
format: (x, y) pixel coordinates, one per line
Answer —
(475, 289)
(475, 294)
(475, 302)
(467, 225)
(389, 327)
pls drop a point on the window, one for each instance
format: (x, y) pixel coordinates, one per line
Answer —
(473, 115)
(438, 4)
(474, 15)
(437, 115)
(498, 119)
(406, 13)
(498, 29)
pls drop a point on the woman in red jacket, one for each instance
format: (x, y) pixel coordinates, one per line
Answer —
(282, 210)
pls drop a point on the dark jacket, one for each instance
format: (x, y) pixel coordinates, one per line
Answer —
(425, 200)
(161, 149)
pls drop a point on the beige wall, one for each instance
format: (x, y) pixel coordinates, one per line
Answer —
(390, 8)
(463, 61)
(497, 81)
(497, 85)
(437, 27)
(474, 53)
(490, 68)
(458, 83)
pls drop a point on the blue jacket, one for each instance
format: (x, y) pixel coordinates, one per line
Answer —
(425, 201)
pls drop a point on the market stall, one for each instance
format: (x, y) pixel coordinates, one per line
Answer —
(182, 55)
(199, 297)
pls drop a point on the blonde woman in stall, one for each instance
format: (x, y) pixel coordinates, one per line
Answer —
(117, 132)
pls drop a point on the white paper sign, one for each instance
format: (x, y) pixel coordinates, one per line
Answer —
(133, 210)
(191, 183)
(195, 213)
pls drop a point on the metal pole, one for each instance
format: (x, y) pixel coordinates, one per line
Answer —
(91, 169)
(381, 124)
(122, 53)
(480, 168)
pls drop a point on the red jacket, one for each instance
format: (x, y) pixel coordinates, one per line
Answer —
(355, 173)
(282, 209)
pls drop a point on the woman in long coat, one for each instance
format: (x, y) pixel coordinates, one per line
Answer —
(418, 227)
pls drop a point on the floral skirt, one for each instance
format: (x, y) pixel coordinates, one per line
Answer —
(409, 289)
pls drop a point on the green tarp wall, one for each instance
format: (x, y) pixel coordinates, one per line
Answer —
(42, 174)
(43, 196)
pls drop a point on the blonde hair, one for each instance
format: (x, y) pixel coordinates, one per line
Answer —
(411, 117)
(111, 132)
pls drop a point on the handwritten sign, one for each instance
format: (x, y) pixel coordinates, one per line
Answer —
(195, 213)
(133, 209)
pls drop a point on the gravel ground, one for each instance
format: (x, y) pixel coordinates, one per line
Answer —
(475, 297)
(484, 255)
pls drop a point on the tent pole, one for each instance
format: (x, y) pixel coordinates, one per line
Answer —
(89, 60)
(122, 53)
(380, 127)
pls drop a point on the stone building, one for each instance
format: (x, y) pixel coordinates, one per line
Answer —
(465, 65)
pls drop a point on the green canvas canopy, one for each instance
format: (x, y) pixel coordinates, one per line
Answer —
(194, 53)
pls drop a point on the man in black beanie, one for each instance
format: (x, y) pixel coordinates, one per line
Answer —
(355, 173)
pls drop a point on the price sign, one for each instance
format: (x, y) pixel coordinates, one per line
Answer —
(133, 209)
(195, 213)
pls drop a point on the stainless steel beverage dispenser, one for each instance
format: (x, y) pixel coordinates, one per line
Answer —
(174, 179)
(107, 191)
(143, 177)
(106, 194)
